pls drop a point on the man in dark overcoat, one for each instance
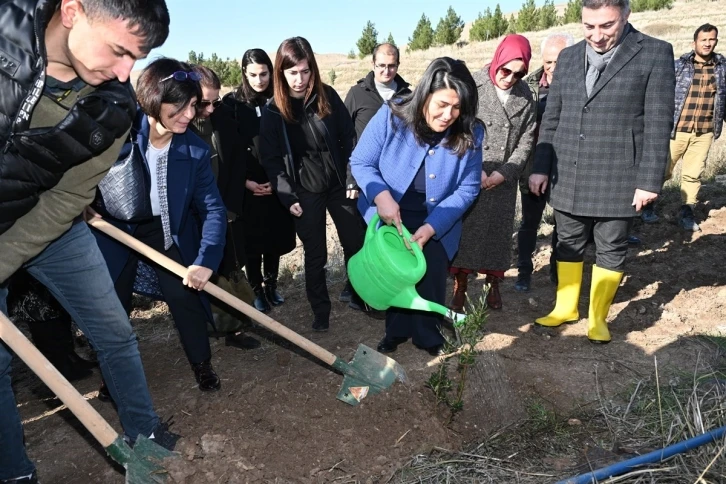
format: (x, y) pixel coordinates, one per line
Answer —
(603, 151)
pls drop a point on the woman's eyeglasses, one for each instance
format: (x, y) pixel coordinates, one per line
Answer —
(182, 76)
(508, 72)
(205, 104)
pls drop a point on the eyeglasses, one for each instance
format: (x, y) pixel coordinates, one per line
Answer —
(205, 104)
(388, 67)
(508, 72)
(182, 76)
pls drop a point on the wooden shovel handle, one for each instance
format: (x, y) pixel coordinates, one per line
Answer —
(215, 291)
(89, 417)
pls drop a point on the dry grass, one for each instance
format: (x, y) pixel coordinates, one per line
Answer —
(675, 26)
(655, 413)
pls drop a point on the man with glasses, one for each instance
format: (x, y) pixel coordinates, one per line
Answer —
(379, 86)
(67, 108)
(366, 98)
(602, 152)
(216, 124)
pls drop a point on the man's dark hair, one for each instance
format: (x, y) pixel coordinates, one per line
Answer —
(442, 73)
(152, 90)
(148, 19)
(209, 77)
(623, 5)
(704, 28)
(245, 91)
(388, 49)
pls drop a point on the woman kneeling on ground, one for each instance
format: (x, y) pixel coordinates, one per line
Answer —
(188, 219)
(418, 163)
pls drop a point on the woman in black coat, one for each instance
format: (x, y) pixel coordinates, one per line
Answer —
(306, 137)
(269, 228)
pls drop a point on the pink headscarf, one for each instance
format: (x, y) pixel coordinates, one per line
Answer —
(512, 47)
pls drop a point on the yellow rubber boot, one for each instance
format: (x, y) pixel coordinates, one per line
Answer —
(569, 281)
(602, 292)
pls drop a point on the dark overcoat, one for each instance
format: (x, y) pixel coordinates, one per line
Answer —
(486, 238)
(597, 150)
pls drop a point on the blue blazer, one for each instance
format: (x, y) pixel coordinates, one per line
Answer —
(388, 159)
(197, 215)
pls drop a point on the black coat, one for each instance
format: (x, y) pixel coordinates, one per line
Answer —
(276, 155)
(363, 100)
(34, 160)
(597, 150)
(269, 227)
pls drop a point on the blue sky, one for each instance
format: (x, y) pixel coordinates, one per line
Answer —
(229, 27)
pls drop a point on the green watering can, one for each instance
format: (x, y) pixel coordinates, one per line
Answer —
(385, 272)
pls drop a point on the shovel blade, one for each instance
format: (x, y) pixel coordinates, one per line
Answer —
(144, 463)
(368, 373)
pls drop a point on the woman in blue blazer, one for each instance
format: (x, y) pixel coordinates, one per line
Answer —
(419, 163)
(188, 221)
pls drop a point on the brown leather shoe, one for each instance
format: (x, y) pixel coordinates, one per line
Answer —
(461, 281)
(494, 298)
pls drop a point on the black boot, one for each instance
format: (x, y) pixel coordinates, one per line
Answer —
(261, 303)
(206, 376)
(274, 297)
(53, 338)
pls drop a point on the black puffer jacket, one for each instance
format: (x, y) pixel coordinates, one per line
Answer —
(363, 100)
(34, 160)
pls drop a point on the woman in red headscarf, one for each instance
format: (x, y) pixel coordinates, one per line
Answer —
(507, 108)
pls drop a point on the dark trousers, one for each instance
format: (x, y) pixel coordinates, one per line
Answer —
(311, 228)
(254, 267)
(422, 327)
(184, 302)
(610, 234)
(532, 210)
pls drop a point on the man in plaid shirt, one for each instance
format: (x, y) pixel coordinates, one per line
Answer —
(698, 120)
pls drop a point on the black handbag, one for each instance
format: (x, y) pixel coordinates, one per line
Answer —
(124, 191)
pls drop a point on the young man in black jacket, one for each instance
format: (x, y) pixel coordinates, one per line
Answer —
(66, 110)
(379, 86)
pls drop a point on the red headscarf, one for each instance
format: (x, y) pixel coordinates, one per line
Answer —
(512, 47)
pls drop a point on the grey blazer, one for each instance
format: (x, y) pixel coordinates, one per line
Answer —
(597, 150)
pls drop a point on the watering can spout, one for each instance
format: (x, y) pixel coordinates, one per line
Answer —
(409, 299)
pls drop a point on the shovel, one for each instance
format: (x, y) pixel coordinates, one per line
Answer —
(369, 372)
(142, 463)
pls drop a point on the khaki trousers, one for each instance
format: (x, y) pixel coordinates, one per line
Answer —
(693, 148)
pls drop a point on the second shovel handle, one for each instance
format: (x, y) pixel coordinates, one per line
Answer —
(216, 291)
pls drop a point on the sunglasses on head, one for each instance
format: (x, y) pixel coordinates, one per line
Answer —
(508, 72)
(183, 76)
(204, 103)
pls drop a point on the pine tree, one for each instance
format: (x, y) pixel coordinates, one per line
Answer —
(500, 26)
(481, 28)
(512, 27)
(527, 18)
(548, 15)
(368, 40)
(573, 12)
(423, 35)
(351, 54)
(390, 40)
(448, 29)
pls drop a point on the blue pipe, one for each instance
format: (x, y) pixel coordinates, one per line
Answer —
(650, 458)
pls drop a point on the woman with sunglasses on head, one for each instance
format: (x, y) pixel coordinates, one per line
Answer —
(306, 137)
(188, 220)
(269, 228)
(507, 108)
(418, 163)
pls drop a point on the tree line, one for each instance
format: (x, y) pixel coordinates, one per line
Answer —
(490, 24)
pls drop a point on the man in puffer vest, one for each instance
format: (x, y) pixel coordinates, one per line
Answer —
(65, 111)
(698, 119)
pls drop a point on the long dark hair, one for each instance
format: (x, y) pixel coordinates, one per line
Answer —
(290, 53)
(244, 91)
(442, 73)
